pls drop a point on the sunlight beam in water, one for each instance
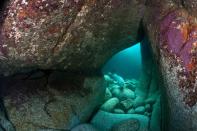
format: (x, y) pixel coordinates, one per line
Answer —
(126, 63)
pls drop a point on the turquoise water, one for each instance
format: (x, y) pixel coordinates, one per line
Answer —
(130, 93)
(126, 63)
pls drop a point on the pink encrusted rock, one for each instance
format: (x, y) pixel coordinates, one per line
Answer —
(172, 37)
(66, 35)
(186, 54)
(167, 21)
(175, 36)
(174, 30)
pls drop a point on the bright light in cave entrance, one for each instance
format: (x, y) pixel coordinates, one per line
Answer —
(126, 63)
(128, 101)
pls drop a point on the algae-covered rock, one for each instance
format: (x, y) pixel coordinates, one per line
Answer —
(84, 127)
(131, 84)
(123, 94)
(131, 111)
(110, 104)
(140, 110)
(51, 103)
(155, 121)
(105, 121)
(119, 111)
(74, 35)
(108, 94)
(127, 125)
(126, 104)
(170, 28)
(148, 108)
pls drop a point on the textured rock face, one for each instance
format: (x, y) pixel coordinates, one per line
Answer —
(79, 36)
(127, 125)
(85, 127)
(106, 121)
(67, 35)
(57, 102)
(190, 5)
(172, 33)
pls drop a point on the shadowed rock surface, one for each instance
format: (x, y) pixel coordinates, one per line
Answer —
(67, 35)
(79, 36)
(53, 102)
(172, 31)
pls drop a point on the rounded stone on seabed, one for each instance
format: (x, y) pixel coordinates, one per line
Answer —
(126, 104)
(104, 121)
(110, 104)
(140, 110)
(127, 93)
(139, 101)
(127, 125)
(85, 127)
(108, 94)
(131, 111)
(119, 111)
(131, 84)
(116, 92)
(148, 107)
(131, 87)
(150, 101)
(147, 114)
(115, 86)
(123, 94)
(108, 79)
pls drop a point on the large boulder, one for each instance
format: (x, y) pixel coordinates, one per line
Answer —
(172, 31)
(106, 121)
(54, 102)
(77, 35)
(127, 125)
(84, 127)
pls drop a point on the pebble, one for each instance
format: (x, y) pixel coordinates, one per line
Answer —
(150, 101)
(123, 94)
(115, 92)
(110, 104)
(131, 111)
(140, 110)
(127, 125)
(147, 114)
(126, 104)
(148, 107)
(119, 111)
(107, 78)
(131, 84)
(114, 86)
(84, 127)
(139, 101)
(108, 94)
(127, 93)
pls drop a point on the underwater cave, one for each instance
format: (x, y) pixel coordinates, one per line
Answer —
(132, 96)
(98, 65)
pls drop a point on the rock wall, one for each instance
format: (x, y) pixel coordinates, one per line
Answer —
(57, 101)
(77, 35)
(75, 38)
(171, 28)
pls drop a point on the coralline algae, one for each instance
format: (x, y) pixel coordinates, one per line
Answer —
(179, 39)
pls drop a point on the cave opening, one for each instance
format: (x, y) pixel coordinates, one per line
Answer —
(132, 91)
